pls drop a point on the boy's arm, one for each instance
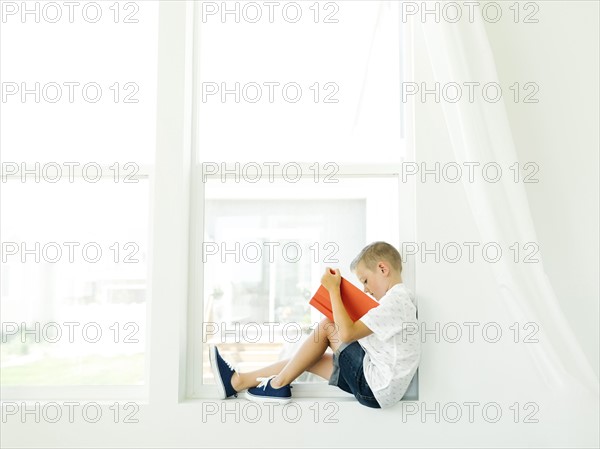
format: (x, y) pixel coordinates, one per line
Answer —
(348, 330)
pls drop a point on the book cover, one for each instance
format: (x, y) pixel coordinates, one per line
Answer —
(356, 302)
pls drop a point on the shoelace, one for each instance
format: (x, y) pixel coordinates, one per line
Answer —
(263, 382)
(229, 365)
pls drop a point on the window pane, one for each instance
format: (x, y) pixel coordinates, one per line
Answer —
(74, 318)
(79, 85)
(270, 92)
(302, 91)
(96, 94)
(265, 253)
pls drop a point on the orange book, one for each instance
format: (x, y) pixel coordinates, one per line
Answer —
(356, 302)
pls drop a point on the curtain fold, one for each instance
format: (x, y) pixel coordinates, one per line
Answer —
(480, 132)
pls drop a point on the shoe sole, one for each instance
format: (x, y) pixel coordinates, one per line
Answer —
(215, 370)
(253, 397)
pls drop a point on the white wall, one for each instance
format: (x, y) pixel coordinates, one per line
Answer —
(462, 372)
(560, 133)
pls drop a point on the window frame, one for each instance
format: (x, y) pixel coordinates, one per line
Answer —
(145, 173)
(96, 392)
(170, 310)
(193, 389)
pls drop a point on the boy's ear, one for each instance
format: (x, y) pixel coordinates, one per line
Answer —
(383, 268)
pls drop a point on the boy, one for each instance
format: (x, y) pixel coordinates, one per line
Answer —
(373, 358)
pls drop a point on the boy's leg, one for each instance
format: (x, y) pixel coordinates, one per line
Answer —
(243, 381)
(324, 367)
(311, 356)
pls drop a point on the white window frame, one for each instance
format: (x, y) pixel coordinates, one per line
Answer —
(168, 242)
(171, 314)
(107, 394)
(406, 197)
(93, 392)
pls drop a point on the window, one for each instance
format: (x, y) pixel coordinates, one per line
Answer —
(78, 142)
(346, 136)
(297, 147)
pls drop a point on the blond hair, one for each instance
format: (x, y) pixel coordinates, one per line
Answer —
(376, 252)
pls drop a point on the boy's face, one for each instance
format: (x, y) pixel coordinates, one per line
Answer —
(375, 282)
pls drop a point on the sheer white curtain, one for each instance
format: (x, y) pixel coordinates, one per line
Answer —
(480, 132)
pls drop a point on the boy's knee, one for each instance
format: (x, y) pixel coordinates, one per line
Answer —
(327, 329)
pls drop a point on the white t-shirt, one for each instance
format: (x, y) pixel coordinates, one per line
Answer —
(393, 350)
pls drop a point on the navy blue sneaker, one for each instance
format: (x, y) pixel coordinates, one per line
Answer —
(223, 372)
(264, 392)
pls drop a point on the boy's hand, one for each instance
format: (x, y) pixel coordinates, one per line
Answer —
(331, 279)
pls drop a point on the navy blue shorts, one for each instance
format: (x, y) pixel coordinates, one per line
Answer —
(348, 373)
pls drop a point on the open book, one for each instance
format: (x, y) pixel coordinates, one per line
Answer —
(356, 302)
